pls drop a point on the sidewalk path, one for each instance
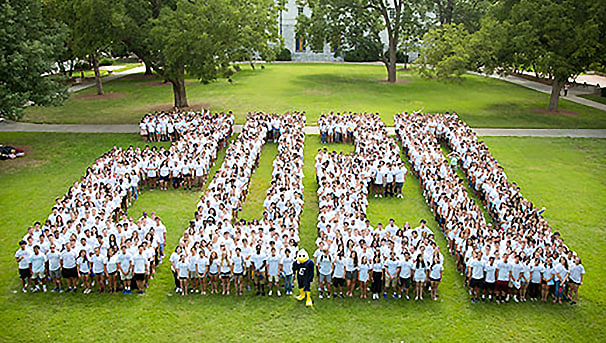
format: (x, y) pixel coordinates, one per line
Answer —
(537, 86)
(10, 126)
(113, 76)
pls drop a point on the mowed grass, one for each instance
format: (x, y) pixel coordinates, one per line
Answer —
(566, 175)
(317, 88)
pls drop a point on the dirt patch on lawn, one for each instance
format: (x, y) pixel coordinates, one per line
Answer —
(555, 113)
(399, 80)
(169, 107)
(13, 166)
(94, 96)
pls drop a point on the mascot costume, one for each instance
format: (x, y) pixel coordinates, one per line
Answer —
(304, 268)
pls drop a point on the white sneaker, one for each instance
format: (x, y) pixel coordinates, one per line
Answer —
(279, 294)
(269, 293)
(24, 290)
(407, 297)
(44, 288)
(515, 298)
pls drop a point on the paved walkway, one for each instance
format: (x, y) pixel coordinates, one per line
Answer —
(104, 79)
(10, 126)
(543, 88)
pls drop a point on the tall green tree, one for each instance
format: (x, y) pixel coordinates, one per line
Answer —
(29, 46)
(138, 22)
(445, 52)
(94, 26)
(351, 23)
(203, 37)
(556, 38)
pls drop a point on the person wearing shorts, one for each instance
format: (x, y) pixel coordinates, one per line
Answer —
(54, 268)
(435, 276)
(37, 264)
(274, 269)
(351, 272)
(259, 262)
(475, 274)
(405, 275)
(22, 257)
(490, 278)
(140, 269)
(338, 275)
(68, 267)
(182, 274)
(391, 275)
(503, 274)
(125, 268)
(325, 272)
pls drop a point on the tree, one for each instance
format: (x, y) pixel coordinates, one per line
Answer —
(351, 23)
(138, 22)
(466, 12)
(445, 51)
(93, 27)
(203, 37)
(556, 38)
(29, 46)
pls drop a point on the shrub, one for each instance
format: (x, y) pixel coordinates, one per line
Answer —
(106, 62)
(284, 55)
(362, 54)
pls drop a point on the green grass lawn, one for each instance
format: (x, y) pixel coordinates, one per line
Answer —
(316, 88)
(596, 98)
(566, 175)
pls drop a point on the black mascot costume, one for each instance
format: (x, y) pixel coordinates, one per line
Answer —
(304, 268)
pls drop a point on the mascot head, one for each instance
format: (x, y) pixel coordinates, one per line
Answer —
(302, 256)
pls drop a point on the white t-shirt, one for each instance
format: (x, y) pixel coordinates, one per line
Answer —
(576, 271)
(24, 263)
(37, 262)
(140, 261)
(69, 259)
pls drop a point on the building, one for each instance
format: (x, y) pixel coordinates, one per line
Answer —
(298, 47)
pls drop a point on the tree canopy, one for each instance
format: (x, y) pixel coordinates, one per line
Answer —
(29, 46)
(203, 37)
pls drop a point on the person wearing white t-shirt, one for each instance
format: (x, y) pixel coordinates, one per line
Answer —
(287, 270)
(22, 257)
(125, 267)
(111, 268)
(259, 262)
(274, 267)
(54, 268)
(576, 279)
(338, 274)
(183, 273)
(37, 262)
(435, 276)
(68, 267)
(99, 261)
(490, 277)
(83, 265)
(475, 274)
(405, 275)
(140, 268)
(391, 275)
(238, 270)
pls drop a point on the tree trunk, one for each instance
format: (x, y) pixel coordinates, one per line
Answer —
(391, 64)
(556, 87)
(148, 69)
(179, 92)
(97, 75)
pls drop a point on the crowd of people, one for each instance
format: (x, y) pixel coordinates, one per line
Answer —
(351, 253)
(517, 257)
(88, 239)
(224, 252)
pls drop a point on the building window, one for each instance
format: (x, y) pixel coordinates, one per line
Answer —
(300, 10)
(300, 44)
